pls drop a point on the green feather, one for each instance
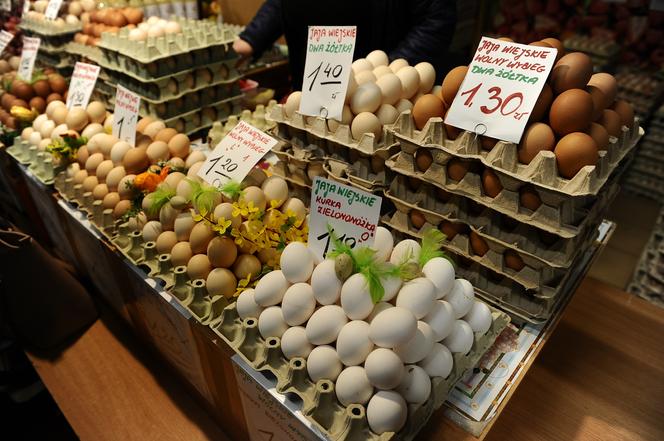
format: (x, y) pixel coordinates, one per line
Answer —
(202, 196)
(160, 197)
(231, 189)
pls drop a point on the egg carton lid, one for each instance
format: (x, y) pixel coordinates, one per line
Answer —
(196, 34)
(542, 172)
(318, 127)
(320, 406)
(47, 28)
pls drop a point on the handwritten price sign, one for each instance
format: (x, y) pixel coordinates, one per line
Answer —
(82, 84)
(236, 155)
(125, 115)
(52, 9)
(327, 70)
(5, 38)
(28, 56)
(352, 214)
(501, 88)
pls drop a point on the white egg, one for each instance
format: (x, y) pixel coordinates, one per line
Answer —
(355, 297)
(402, 105)
(439, 362)
(461, 338)
(387, 114)
(353, 344)
(296, 262)
(34, 138)
(325, 283)
(441, 273)
(427, 76)
(367, 98)
(292, 103)
(384, 368)
(323, 364)
(58, 131)
(361, 64)
(417, 347)
(415, 385)
(378, 308)
(407, 250)
(271, 288)
(391, 286)
(461, 297)
(386, 412)
(151, 230)
(410, 81)
(353, 387)
(271, 322)
(298, 304)
(324, 325)
(479, 317)
(390, 88)
(417, 296)
(294, 343)
(383, 244)
(441, 319)
(37, 123)
(91, 130)
(377, 58)
(46, 129)
(153, 20)
(398, 64)
(246, 305)
(138, 34)
(25, 133)
(173, 27)
(156, 31)
(392, 327)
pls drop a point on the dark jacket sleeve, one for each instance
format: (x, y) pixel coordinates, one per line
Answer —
(265, 27)
(431, 34)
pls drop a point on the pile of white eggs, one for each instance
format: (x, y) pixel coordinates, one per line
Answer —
(378, 91)
(154, 27)
(379, 355)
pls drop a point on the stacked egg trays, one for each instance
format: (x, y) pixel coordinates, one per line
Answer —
(648, 279)
(646, 174)
(54, 40)
(336, 375)
(40, 163)
(257, 118)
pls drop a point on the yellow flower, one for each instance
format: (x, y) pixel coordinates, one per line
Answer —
(196, 217)
(275, 204)
(244, 209)
(222, 225)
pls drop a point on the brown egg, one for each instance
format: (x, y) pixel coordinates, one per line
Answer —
(181, 253)
(413, 183)
(179, 146)
(573, 152)
(572, 71)
(166, 241)
(477, 244)
(457, 169)
(165, 135)
(89, 183)
(133, 15)
(513, 260)
(111, 200)
(598, 98)
(600, 135)
(42, 88)
(442, 195)
(508, 39)
(537, 137)
(607, 84)
(427, 106)
(53, 97)
(451, 229)
(255, 194)
(38, 103)
(157, 151)
(451, 131)
(539, 44)
(57, 83)
(529, 198)
(198, 267)
(423, 159)
(100, 191)
(377, 165)
(487, 143)
(611, 122)
(143, 123)
(121, 208)
(135, 160)
(491, 183)
(245, 265)
(621, 107)
(22, 90)
(452, 82)
(200, 237)
(221, 282)
(417, 219)
(554, 42)
(82, 155)
(80, 176)
(222, 252)
(542, 105)
(571, 111)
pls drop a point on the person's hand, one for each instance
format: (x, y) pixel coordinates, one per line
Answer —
(242, 48)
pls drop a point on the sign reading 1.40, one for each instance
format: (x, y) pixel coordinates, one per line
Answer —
(327, 70)
(500, 88)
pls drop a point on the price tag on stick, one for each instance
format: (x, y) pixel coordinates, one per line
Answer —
(327, 70)
(52, 9)
(28, 56)
(5, 38)
(82, 84)
(125, 115)
(236, 154)
(501, 88)
(351, 213)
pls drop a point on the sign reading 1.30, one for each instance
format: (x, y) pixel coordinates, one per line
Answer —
(508, 106)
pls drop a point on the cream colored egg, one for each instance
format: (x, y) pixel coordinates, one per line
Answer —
(298, 304)
(407, 250)
(294, 343)
(295, 206)
(77, 118)
(403, 105)
(247, 307)
(37, 123)
(183, 225)
(43, 144)
(441, 273)
(157, 151)
(118, 151)
(365, 123)
(323, 364)
(398, 64)
(80, 176)
(94, 143)
(103, 169)
(351, 89)
(440, 319)
(246, 265)
(353, 386)
(325, 284)
(360, 65)
(194, 157)
(390, 88)
(167, 216)
(387, 114)
(91, 130)
(178, 146)
(136, 223)
(50, 108)
(99, 192)
(93, 162)
(461, 297)
(25, 133)
(271, 288)
(353, 343)
(114, 177)
(151, 231)
(383, 70)
(89, 183)
(292, 103)
(275, 189)
(439, 362)
(46, 128)
(296, 262)
(366, 76)
(383, 244)
(367, 98)
(221, 282)
(176, 163)
(184, 189)
(153, 128)
(460, 339)
(137, 34)
(108, 123)
(325, 324)
(271, 322)
(378, 58)
(35, 138)
(181, 253)
(198, 267)
(346, 119)
(479, 318)
(143, 123)
(111, 200)
(384, 368)
(200, 237)
(72, 169)
(125, 186)
(121, 208)
(417, 296)
(410, 81)
(192, 173)
(60, 115)
(225, 211)
(355, 297)
(254, 195)
(96, 112)
(415, 385)
(173, 179)
(386, 412)
(392, 327)
(418, 347)
(427, 76)
(155, 32)
(166, 241)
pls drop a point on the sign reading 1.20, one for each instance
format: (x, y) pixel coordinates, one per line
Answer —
(507, 106)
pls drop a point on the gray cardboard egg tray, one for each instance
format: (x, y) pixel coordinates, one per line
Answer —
(255, 118)
(542, 171)
(319, 402)
(521, 238)
(195, 35)
(558, 214)
(316, 127)
(48, 29)
(41, 164)
(157, 91)
(92, 53)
